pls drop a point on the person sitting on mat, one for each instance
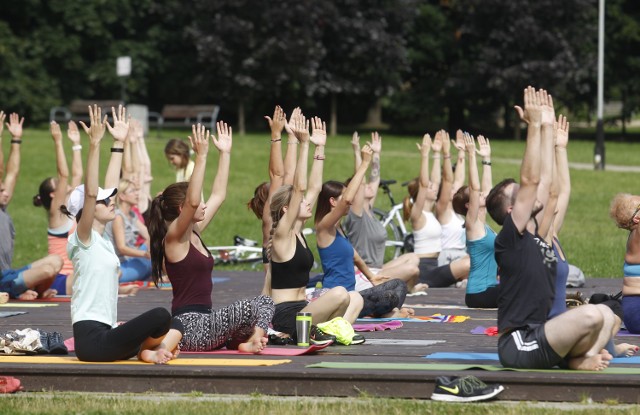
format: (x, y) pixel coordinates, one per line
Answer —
(97, 336)
(177, 219)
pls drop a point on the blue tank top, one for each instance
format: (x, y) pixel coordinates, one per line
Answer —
(484, 269)
(337, 264)
(631, 270)
(559, 305)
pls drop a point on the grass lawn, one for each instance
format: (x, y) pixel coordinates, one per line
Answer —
(197, 403)
(590, 238)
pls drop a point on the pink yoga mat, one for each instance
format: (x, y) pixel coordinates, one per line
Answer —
(387, 325)
(268, 351)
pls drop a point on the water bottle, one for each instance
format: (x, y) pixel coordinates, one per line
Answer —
(303, 328)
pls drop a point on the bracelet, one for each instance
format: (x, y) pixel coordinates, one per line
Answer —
(117, 150)
(276, 140)
(76, 147)
(447, 156)
(16, 141)
(318, 157)
(486, 163)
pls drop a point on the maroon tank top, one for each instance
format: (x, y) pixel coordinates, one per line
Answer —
(191, 279)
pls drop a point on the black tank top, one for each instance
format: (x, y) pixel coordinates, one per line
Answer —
(293, 273)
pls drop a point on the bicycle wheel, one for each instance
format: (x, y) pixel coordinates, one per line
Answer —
(394, 243)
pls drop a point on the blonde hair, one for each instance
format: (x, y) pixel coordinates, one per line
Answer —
(622, 210)
(280, 199)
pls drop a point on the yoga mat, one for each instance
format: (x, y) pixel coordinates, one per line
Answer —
(447, 307)
(269, 351)
(459, 367)
(400, 342)
(26, 304)
(389, 325)
(4, 314)
(494, 356)
(65, 299)
(177, 362)
(623, 332)
(436, 318)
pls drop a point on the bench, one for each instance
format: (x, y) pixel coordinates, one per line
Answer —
(78, 110)
(185, 116)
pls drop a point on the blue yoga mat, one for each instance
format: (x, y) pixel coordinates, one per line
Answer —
(494, 356)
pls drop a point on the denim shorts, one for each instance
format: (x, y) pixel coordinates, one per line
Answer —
(12, 281)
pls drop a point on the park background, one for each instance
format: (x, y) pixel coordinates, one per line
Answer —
(400, 67)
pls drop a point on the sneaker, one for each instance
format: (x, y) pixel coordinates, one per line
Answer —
(464, 389)
(358, 339)
(319, 337)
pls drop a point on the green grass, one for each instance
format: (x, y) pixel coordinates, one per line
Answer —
(75, 403)
(589, 237)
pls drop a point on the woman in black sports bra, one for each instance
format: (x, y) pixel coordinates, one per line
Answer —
(290, 256)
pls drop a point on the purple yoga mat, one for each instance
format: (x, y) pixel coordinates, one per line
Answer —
(387, 325)
(624, 332)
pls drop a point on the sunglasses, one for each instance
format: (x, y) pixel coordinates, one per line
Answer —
(105, 201)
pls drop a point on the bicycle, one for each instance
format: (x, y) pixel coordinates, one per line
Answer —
(242, 251)
(399, 239)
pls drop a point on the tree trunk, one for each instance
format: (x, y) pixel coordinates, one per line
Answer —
(241, 123)
(507, 118)
(333, 121)
(374, 115)
(624, 113)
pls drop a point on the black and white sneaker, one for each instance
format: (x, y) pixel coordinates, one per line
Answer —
(319, 337)
(463, 389)
(357, 339)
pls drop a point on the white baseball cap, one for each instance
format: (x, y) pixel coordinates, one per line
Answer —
(76, 200)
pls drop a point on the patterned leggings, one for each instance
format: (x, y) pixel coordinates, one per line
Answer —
(382, 299)
(228, 326)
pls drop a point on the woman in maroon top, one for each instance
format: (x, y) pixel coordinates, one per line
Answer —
(178, 216)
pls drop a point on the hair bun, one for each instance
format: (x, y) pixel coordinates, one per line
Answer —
(37, 201)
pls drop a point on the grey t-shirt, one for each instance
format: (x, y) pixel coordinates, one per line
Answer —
(7, 236)
(368, 237)
(130, 232)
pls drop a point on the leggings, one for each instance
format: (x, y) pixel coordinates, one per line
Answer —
(98, 342)
(382, 299)
(631, 313)
(228, 326)
(486, 299)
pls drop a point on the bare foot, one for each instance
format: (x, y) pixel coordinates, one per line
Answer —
(159, 356)
(420, 287)
(4, 297)
(404, 312)
(625, 350)
(28, 295)
(50, 293)
(597, 362)
(130, 290)
(256, 343)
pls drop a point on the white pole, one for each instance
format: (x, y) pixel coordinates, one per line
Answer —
(598, 158)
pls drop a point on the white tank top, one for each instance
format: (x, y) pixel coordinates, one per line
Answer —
(453, 234)
(428, 239)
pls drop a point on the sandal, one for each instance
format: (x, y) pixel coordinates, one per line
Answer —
(280, 340)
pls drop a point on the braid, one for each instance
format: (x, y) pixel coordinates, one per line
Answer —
(275, 218)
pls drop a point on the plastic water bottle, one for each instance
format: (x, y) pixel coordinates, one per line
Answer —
(318, 291)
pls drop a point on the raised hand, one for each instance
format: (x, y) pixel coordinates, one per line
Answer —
(355, 140)
(375, 143)
(55, 131)
(2, 117)
(469, 143)
(485, 148)
(97, 124)
(300, 128)
(459, 143)
(288, 126)
(318, 131)
(134, 127)
(224, 141)
(546, 102)
(73, 133)
(15, 125)
(437, 142)
(120, 128)
(446, 142)
(277, 123)
(562, 131)
(425, 147)
(367, 154)
(199, 140)
(532, 107)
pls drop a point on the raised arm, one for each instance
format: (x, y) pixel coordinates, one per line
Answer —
(547, 157)
(145, 170)
(13, 163)
(358, 200)
(436, 170)
(530, 167)
(60, 194)
(417, 218)
(319, 139)
(444, 208)
(2, 117)
(458, 177)
(562, 172)
(219, 188)
(484, 152)
(76, 157)
(355, 146)
(276, 166)
(374, 172)
(128, 172)
(177, 231)
(290, 154)
(119, 133)
(474, 226)
(95, 131)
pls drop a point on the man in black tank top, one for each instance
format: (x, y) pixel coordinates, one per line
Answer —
(527, 264)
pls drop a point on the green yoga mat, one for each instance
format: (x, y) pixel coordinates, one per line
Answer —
(455, 366)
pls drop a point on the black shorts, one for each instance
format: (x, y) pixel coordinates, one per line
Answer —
(527, 348)
(435, 276)
(486, 299)
(284, 318)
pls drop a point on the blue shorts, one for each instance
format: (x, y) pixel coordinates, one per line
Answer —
(12, 281)
(60, 284)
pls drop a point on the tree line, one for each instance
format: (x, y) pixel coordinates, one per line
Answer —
(459, 63)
